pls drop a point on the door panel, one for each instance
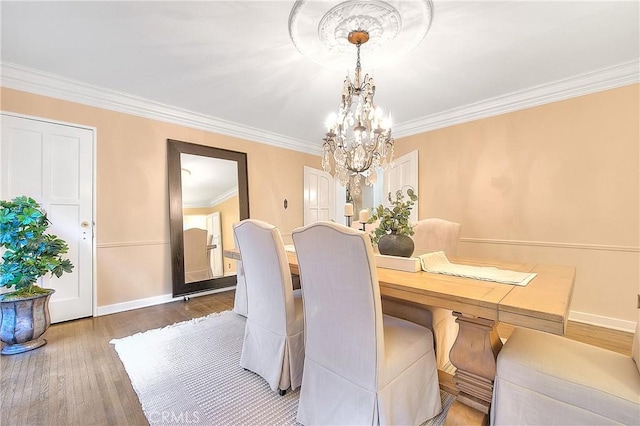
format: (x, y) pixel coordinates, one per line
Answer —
(403, 174)
(53, 163)
(64, 220)
(17, 176)
(64, 167)
(318, 196)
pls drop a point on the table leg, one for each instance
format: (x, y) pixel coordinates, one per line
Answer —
(474, 355)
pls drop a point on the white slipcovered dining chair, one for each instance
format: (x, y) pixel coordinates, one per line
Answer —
(361, 367)
(273, 344)
(240, 303)
(197, 266)
(544, 379)
(432, 234)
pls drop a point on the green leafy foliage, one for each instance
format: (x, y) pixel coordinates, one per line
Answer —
(395, 218)
(29, 252)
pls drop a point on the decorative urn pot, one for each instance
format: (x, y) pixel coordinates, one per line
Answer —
(393, 234)
(28, 253)
(396, 245)
(23, 321)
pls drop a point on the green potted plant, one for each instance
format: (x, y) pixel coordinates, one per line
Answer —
(393, 234)
(29, 253)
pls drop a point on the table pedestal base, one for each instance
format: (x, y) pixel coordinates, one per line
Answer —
(474, 355)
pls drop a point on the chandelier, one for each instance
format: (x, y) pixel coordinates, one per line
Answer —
(358, 137)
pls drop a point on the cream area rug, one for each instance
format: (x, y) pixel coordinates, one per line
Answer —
(189, 373)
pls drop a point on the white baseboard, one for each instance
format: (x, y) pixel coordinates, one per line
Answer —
(150, 301)
(602, 321)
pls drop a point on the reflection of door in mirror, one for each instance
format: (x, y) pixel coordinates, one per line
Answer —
(208, 193)
(214, 230)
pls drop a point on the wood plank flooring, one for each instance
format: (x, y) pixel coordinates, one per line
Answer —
(78, 379)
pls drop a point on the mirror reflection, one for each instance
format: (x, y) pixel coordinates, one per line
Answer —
(208, 193)
(209, 209)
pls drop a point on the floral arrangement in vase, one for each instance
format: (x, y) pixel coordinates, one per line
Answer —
(394, 228)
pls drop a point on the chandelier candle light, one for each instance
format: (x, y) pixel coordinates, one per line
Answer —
(358, 136)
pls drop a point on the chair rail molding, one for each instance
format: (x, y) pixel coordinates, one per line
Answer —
(552, 244)
(132, 243)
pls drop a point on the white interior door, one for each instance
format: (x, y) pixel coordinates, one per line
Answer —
(319, 195)
(215, 250)
(340, 200)
(403, 173)
(53, 164)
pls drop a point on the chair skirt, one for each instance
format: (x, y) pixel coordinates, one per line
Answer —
(277, 358)
(410, 398)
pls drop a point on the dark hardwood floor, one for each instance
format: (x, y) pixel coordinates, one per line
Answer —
(78, 379)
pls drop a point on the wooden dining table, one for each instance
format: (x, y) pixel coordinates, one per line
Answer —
(543, 304)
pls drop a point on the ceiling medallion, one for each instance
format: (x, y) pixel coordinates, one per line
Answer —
(381, 20)
(319, 29)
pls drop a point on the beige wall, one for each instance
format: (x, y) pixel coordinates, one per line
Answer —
(559, 184)
(132, 217)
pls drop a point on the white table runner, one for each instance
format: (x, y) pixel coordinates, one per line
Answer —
(437, 262)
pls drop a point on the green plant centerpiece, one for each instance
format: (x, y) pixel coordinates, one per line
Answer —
(393, 234)
(29, 253)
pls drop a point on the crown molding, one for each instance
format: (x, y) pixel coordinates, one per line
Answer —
(46, 84)
(215, 201)
(583, 84)
(233, 192)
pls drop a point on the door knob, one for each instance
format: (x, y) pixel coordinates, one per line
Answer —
(84, 224)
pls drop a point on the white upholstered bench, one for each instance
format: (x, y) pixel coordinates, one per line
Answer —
(544, 379)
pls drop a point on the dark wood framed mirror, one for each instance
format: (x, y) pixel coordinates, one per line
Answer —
(208, 192)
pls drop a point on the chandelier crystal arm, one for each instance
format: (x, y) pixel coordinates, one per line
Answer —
(357, 138)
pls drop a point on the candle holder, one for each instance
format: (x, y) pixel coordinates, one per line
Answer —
(364, 218)
(348, 213)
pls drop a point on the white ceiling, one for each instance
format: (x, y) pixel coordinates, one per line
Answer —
(231, 65)
(206, 181)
